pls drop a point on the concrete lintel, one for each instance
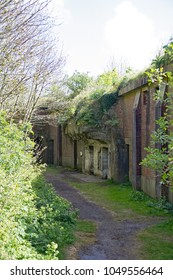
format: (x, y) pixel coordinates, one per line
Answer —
(134, 85)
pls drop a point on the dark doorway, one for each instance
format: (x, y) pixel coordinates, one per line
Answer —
(123, 159)
(60, 145)
(138, 145)
(75, 154)
(127, 163)
(91, 159)
(50, 152)
(136, 142)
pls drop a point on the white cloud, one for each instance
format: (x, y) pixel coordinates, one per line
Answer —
(130, 35)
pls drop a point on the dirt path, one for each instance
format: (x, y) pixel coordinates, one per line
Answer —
(115, 239)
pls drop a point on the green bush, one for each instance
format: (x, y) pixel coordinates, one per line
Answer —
(161, 204)
(28, 213)
(139, 196)
(56, 218)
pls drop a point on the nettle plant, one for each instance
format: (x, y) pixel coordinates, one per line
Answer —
(160, 151)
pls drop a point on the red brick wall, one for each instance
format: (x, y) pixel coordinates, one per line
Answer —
(145, 122)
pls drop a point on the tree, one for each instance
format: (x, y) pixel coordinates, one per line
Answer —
(29, 56)
(160, 152)
(109, 78)
(92, 97)
(77, 83)
(80, 97)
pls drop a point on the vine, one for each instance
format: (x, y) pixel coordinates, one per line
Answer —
(160, 151)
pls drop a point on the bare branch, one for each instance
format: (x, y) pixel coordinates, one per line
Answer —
(28, 59)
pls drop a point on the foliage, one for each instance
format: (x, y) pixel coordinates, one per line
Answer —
(89, 106)
(156, 205)
(108, 78)
(83, 98)
(77, 83)
(165, 55)
(16, 195)
(160, 152)
(56, 219)
(161, 204)
(111, 122)
(138, 196)
(27, 213)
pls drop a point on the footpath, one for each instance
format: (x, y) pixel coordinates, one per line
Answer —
(115, 240)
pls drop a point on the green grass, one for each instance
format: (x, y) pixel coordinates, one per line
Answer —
(156, 242)
(86, 226)
(85, 235)
(121, 199)
(54, 170)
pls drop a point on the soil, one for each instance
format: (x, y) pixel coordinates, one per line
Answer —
(115, 239)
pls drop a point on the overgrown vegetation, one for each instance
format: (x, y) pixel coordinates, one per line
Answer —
(160, 152)
(56, 219)
(83, 98)
(34, 222)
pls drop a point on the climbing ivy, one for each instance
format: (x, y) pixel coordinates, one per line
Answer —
(95, 100)
(160, 152)
(83, 98)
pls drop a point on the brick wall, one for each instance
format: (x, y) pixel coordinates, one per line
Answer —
(137, 110)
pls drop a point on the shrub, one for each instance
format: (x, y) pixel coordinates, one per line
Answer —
(55, 220)
(28, 213)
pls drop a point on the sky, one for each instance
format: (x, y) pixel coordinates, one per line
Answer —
(100, 34)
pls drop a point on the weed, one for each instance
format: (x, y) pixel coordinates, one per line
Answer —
(161, 204)
(138, 196)
(86, 226)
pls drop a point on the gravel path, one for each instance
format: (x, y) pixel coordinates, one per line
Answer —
(115, 239)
